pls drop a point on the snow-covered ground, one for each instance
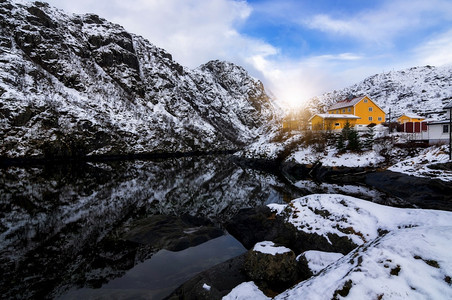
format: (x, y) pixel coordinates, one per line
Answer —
(420, 165)
(319, 260)
(334, 159)
(297, 148)
(402, 253)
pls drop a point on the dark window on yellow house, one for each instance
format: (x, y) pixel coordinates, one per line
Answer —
(343, 110)
(336, 124)
(370, 108)
(365, 100)
(379, 118)
(349, 110)
(337, 111)
(370, 118)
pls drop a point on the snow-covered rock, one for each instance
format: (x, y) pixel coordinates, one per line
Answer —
(421, 90)
(272, 266)
(76, 85)
(410, 263)
(359, 220)
(246, 291)
(401, 253)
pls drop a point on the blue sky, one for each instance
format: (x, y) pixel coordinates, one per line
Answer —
(299, 49)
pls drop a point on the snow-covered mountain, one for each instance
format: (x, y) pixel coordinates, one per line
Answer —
(422, 90)
(75, 85)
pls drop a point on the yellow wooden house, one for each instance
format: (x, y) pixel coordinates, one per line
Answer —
(332, 121)
(409, 117)
(358, 111)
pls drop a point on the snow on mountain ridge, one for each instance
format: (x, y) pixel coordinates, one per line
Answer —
(80, 85)
(421, 90)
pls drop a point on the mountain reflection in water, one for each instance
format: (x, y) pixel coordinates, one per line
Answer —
(81, 225)
(77, 227)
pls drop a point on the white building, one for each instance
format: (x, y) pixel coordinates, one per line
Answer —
(438, 132)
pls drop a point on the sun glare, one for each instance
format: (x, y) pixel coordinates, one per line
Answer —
(292, 96)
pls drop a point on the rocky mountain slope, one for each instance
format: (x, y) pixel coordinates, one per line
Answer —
(78, 85)
(422, 90)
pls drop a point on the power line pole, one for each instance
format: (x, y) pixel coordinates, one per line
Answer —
(449, 107)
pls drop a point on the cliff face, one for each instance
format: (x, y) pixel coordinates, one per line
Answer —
(422, 90)
(79, 85)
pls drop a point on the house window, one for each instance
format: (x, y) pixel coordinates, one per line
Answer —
(379, 119)
(370, 118)
(370, 108)
(365, 100)
(343, 110)
(336, 124)
(337, 111)
(349, 110)
(445, 128)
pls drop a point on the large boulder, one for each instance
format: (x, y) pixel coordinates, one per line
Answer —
(273, 267)
(253, 225)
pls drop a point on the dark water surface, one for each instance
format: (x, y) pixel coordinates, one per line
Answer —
(158, 276)
(127, 229)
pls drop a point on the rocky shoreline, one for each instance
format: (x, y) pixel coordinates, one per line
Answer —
(417, 192)
(26, 161)
(253, 225)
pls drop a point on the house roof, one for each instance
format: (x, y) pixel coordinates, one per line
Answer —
(346, 103)
(412, 116)
(438, 122)
(351, 102)
(335, 116)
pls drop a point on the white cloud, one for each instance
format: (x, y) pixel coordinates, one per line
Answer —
(382, 25)
(437, 51)
(193, 31)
